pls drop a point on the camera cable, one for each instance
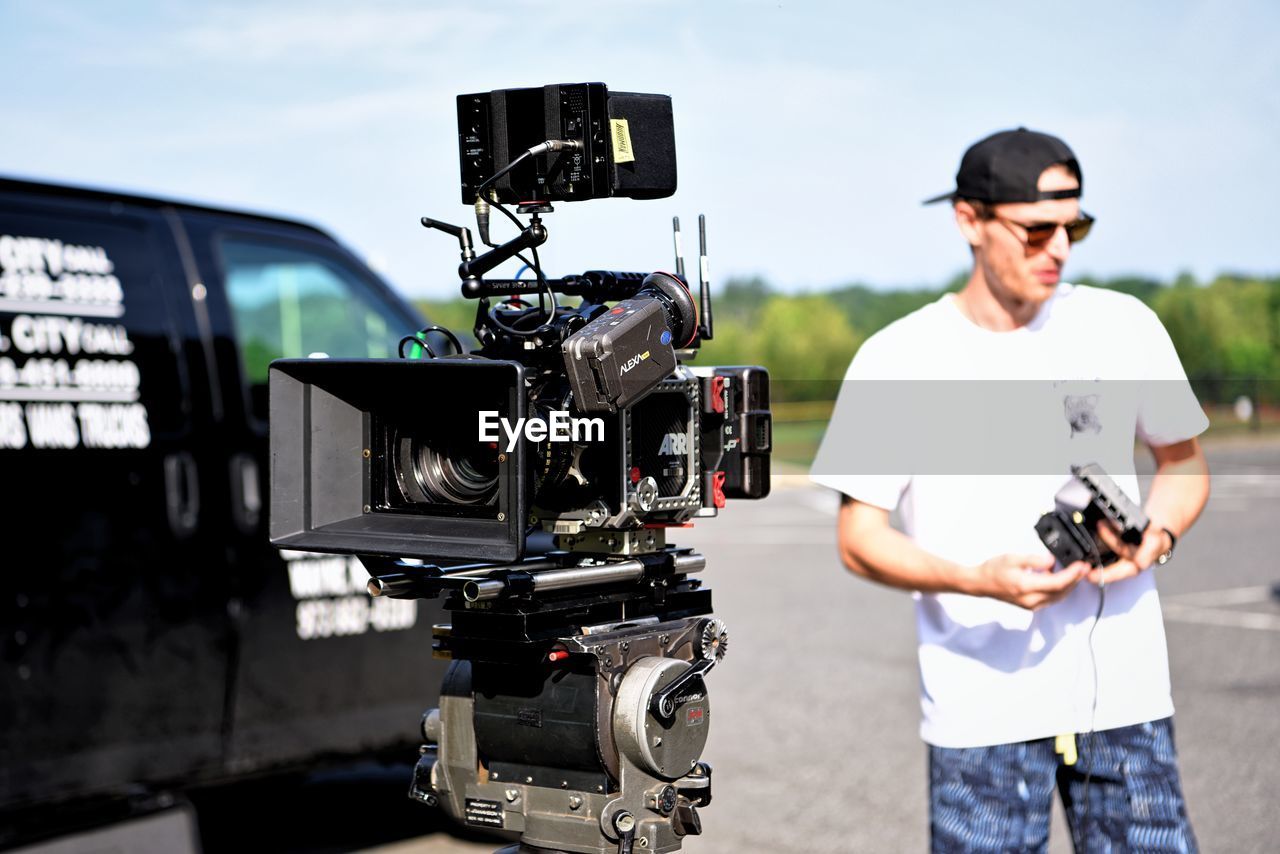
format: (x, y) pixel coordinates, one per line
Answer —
(1093, 711)
(545, 147)
(544, 288)
(420, 338)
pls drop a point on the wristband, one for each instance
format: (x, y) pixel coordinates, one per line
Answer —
(1173, 541)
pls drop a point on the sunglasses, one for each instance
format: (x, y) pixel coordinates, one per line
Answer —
(1038, 234)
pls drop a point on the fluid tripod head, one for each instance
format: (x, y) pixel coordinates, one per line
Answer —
(575, 710)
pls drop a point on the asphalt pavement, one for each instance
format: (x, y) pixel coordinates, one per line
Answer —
(815, 744)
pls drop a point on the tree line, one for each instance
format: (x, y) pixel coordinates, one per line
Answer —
(1227, 330)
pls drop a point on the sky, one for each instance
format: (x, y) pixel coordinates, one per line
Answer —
(808, 133)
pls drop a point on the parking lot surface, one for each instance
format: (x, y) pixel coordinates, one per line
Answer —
(814, 743)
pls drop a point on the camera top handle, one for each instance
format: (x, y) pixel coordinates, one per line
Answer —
(473, 268)
(594, 285)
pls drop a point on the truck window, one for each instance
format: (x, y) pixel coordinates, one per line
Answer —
(290, 302)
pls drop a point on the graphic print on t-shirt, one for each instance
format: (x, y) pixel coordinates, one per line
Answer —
(1082, 413)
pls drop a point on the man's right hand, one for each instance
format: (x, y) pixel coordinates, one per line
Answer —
(872, 548)
(1025, 580)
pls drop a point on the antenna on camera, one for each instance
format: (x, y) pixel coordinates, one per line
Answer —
(675, 233)
(704, 278)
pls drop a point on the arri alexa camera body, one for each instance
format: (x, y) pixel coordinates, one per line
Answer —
(532, 482)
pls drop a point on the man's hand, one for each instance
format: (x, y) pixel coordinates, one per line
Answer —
(1178, 493)
(1026, 580)
(871, 548)
(1131, 559)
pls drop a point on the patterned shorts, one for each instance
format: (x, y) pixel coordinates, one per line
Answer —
(1121, 795)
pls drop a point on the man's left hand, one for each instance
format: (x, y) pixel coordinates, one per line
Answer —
(1131, 559)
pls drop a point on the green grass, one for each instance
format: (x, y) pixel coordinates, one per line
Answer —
(1223, 423)
(795, 442)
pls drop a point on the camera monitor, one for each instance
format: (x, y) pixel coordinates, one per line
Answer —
(628, 143)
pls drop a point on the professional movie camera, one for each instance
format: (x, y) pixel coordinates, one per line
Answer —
(531, 483)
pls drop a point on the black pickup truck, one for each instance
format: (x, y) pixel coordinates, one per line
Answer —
(151, 640)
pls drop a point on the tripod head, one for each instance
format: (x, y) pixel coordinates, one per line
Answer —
(575, 710)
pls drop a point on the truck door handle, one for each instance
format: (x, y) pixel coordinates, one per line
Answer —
(182, 493)
(246, 499)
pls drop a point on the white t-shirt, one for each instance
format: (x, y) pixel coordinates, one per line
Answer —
(969, 433)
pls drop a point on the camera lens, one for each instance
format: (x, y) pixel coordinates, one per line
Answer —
(446, 470)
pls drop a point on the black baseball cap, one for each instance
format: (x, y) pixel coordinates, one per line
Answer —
(1006, 166)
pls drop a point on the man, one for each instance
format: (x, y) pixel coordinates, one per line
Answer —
(1032, 676)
